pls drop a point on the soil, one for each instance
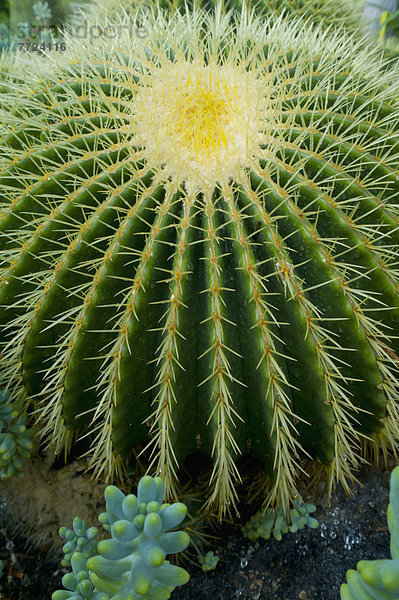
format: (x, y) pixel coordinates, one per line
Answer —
(307, 565)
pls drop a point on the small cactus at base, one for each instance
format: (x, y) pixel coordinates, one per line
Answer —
(131, 565)
(209, 561)
(378, 579)
(15, 438)
(264, 523)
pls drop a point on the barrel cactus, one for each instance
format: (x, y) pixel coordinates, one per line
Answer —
(199, 238)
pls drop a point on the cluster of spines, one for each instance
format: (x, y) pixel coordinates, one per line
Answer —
(378, 579)
(333, 13)
(15, 438)
(265, 523)
(131, 565)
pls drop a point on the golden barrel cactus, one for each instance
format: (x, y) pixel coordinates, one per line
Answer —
(199, 239)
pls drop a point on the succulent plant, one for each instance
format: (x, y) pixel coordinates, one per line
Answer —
(42, 12)
(15, 438)
(378, 579)
(78, 583)
(79, 539)
(265, 523)
(4, 38)
(198, 242)
(208, 561)
(131, 565)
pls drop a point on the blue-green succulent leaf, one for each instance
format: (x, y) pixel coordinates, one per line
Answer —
(114, 549)
(105, 567)
(172, 575)
(173, 515)
(130, 506)
(147, 489)
(124, 531)
(378, 579)
(174, 541)
(160, 489)
(152, 525)
(114, 498)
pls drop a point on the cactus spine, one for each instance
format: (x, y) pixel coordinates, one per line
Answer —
(345, 13)
(198, 243)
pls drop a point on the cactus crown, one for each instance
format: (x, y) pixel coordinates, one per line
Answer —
(218, 275)
(200, 120)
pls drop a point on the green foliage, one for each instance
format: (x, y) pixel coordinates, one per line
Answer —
(378, 579)
(389, 36)
(391, 50)
(1, 571)
(209, 561)
(42, 12)
(131, 565)
(265, 523)
(212, 270)
(4, 37)
(56, 10)
(389, 25)
(4, 13)
(15, 438)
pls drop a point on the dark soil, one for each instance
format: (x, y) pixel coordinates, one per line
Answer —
(308, 565)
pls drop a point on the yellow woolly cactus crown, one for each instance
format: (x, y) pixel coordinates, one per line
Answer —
(199, 236)
(202, 122)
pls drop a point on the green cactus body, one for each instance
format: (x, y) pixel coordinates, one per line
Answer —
(211, 269)
(378, 579)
